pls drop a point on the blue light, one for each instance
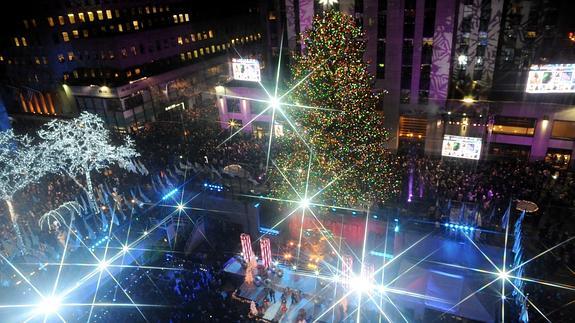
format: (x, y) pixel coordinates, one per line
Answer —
(257, 205)
(471, 228)
(465, 228)
(172, 192)
(353, 212)
(375, 216)
(396, 229)
(269, 231)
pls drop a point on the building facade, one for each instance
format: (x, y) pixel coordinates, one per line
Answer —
(128, 61)
(460, 67)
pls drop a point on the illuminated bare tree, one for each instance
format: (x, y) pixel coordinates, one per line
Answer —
(83, 145)
(21, 163)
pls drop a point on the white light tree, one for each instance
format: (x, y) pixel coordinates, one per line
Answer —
(21, 163)
(82, 145)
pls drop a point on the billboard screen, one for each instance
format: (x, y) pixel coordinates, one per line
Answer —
(551, 78)
(246, 70)
(461, 147)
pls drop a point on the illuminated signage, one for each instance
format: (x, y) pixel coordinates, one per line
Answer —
(461, 147)
(551, 78)
(246, 70)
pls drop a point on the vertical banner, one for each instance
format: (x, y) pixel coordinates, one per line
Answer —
(266, 252)
(246, 246)
(347, 270)
(306, 12)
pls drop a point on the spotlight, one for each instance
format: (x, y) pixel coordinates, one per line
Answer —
(360, 284)
(304, 203)
(49, 305)
(125, 248)
(180, 207)
(103, 265)
(274, 103)
(504, 275)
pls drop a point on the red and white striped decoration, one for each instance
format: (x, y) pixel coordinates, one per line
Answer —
(347, 270)
(246, 246)
(367, 274)
(266, 250)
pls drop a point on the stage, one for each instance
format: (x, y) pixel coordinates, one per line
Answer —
(428, 271)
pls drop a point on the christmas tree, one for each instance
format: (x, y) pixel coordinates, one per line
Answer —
(345, 137)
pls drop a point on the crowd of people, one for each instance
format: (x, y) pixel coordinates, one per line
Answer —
(203, 293)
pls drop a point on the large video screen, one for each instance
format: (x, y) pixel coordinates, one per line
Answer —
(461, 147)
(246, 70)
(551, 78)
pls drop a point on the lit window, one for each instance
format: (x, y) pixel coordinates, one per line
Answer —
(175, 19)
(61, 58)
(90, 16)
(199, 36)
(137, 71)
(218, 47)
(50, 21)
(233, 41)
(100, 14)
(71, 18)
(154, 9)
(109, 14)
(24, 43)
(135, 23)
(211, 34)
(134, 52)
(120, 28)
(187, 40)
(25, 23)
(193, 38)
(183, 56)
(161, 9)
(76, 34)
(213, 49)
(201, 51)
(70, 56)
(187, 17)
(181, 17)
(85, 32)
(65, 36)
(180, 41)
(75, 73)
(37, 60)
(148, 10)
(33, 22)
(81, 17)
(61, 20)
(195, 53)
(129, 73)
(44, 60)
(117, 13)
(189, 54)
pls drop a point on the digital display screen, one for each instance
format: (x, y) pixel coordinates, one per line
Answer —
(246, 70)
(461, 147)
(551, 78)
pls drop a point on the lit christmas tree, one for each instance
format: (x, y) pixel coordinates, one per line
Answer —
(348, 160)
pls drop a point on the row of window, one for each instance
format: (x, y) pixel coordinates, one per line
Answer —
(110, 54)
(196, 37)
(100, 15)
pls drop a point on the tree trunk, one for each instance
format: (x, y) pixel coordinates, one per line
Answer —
(90, 193)
(92, 201)
(14, 219)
